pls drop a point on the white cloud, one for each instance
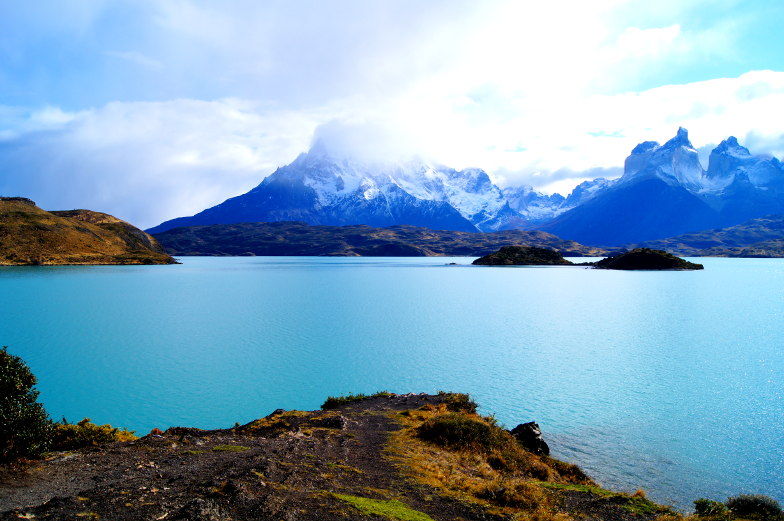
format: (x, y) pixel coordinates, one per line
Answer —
(147, 162)
(536, 92)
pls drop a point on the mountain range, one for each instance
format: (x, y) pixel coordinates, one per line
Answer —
(664, 191)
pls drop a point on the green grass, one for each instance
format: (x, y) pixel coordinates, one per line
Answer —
(390, 509)
(230, 448)
(334, 402)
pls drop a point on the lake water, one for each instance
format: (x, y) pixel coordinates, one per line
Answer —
(668, 381)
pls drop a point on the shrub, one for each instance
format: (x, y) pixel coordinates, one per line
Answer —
(709, 508)
(754, 506)
(25, 427)
(517, 494)
(333, 402)
(459, 431)
(458, 402)
(69, 436)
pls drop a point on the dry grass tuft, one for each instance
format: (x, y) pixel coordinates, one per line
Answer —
(471, 458)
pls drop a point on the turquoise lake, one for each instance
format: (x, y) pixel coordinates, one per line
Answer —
(672, 382)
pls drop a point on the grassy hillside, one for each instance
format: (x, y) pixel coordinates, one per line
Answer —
(32, 236)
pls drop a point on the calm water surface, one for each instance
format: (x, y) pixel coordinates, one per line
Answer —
(672, 382)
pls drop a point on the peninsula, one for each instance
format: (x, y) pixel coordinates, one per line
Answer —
(32, 236)
(414, 457)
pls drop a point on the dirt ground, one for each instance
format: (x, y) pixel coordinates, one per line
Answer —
(287, 467)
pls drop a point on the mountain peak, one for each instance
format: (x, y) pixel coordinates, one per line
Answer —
(681, 139)
(732, 147)
(645, 146)
(318, 149)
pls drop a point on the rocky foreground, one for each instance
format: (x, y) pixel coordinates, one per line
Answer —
(401, 457)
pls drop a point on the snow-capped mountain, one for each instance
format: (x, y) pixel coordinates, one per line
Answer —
(664, 191)
(676, 163)
(321, 188)
(730, 159)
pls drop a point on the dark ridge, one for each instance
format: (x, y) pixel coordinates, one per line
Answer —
(298, 238)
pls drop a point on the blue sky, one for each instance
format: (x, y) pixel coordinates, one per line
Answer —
(151, 110)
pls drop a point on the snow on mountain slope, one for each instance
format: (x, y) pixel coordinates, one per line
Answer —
(319, 187)
(664, 189)
(676, 163)
(730, 159)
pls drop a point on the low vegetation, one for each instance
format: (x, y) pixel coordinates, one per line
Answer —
(71, 436)
(333, 402)
(389, 509)
(472, 458)
(742, 507)
(26, 431)
(25, 427)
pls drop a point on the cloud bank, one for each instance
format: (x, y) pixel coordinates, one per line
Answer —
(152, 110)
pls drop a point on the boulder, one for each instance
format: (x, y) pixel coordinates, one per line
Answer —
(530, 437)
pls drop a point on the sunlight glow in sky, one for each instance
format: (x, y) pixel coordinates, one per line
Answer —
(151, 110)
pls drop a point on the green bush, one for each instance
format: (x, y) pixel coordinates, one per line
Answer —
(460, 431)
(709, 508)
(333, 402)
(754, 507)
(25, 427)
(458, 402)
(68, 436)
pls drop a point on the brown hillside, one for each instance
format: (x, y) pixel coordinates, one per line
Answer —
(32, 236)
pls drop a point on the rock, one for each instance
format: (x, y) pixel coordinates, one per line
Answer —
(646, 259)
(202, 510)
(330, 422)
(530, 437)
(522, 256)
(276, 412)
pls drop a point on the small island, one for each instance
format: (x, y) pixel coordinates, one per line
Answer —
(646, 259)
(31, 236)
(523, 256)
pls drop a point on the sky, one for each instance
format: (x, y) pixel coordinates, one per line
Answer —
(150, 109)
